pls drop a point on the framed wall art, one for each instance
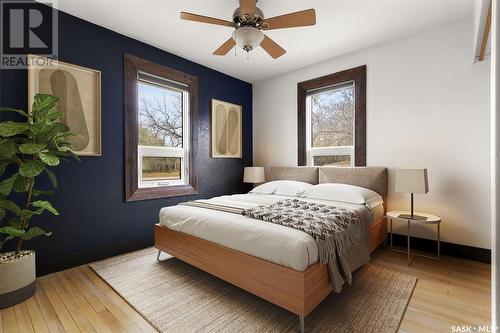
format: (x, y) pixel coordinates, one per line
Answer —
(79, 92)
(226, 130)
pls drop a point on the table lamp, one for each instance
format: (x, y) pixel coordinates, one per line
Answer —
(254, 175)
(412, 181)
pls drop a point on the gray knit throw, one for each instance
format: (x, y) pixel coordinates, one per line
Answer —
(335, 230)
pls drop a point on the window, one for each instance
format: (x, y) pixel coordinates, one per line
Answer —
(330, 125)
(163, 147)
(160, 116)
(332, 119)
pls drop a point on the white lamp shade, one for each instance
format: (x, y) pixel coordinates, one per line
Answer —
(248, 37)
(254, 175)
(412, 181)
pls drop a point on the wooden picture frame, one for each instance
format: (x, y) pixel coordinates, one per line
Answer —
(226, 130)
(79, 91)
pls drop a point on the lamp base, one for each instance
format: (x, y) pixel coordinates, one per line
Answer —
(410, 217)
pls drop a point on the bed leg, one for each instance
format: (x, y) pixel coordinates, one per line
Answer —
(158, 256)
(301, 320)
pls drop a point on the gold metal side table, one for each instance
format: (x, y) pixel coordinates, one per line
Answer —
(424, 219)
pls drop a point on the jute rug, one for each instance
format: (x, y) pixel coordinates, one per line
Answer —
(176, 297)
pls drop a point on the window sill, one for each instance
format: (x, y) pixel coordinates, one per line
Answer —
(162, 192)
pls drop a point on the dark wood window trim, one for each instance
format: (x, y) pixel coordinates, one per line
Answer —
(132, 65)
(358, 75)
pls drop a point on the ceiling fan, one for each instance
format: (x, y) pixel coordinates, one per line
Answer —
(249, 21)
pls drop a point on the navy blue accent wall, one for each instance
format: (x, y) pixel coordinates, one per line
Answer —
(90, 196)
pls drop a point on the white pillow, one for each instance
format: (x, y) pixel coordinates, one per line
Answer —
(282, 187)
(344, 193)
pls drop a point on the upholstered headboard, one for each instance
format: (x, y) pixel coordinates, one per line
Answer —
(303, 174)
(373, 178)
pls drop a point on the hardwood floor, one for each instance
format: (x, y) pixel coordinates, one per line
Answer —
(449, 292)
(75, 300)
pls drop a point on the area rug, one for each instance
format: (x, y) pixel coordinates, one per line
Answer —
(176, 297)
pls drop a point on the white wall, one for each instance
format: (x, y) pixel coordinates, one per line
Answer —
(495, 166)
(427, 106)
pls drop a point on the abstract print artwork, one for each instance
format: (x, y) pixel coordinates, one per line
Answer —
(79, 92)
(226, 130)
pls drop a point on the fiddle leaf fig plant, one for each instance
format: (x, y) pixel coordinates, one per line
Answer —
(28, 149)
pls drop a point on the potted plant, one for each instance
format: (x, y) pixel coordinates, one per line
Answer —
(27, 151)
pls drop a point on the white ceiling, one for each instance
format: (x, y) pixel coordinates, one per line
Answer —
(343, 26)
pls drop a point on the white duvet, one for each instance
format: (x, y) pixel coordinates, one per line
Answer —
(275, 243)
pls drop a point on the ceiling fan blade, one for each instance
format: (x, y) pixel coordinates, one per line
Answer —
(271, 47)
(297, 19)
(247, 7)
(205, 19)
(225, 48)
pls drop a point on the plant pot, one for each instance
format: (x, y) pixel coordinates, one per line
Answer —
(17, 277)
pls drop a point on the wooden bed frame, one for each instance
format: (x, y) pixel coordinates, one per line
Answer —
(296, 291)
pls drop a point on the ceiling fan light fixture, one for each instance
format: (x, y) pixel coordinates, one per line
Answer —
(248, 37)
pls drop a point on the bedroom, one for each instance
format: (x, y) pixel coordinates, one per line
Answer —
(375, 100)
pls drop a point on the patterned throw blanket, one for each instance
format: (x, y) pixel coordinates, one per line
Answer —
(336, 230)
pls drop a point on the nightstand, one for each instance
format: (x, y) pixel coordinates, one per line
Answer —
(423, 219)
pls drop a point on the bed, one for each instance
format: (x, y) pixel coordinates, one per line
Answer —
(274, 262)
